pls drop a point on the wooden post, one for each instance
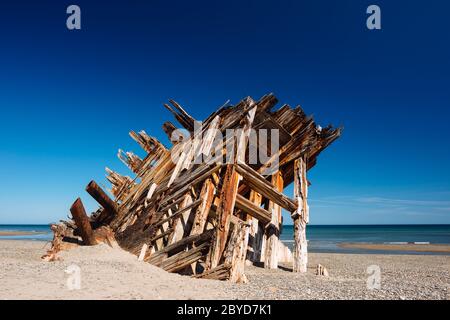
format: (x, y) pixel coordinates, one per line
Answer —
(82, 222)
(300, 216)
(254, 234)
(224, 212)
(229, 190)
(102, 198)
(180, 223)
(273, 229)
(236, 252)
(201, 214)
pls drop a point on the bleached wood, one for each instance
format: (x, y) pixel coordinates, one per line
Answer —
(201, 214)
(300, 217)
(143, 252)
(273, 229)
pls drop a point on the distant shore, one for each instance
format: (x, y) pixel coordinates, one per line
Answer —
(108, 273)
(398, 247)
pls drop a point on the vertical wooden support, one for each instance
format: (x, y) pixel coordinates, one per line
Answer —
(273, 229)
(82, 222)
(201, 214)
(224, 212)
(236, 252)
(237, 270)
(181, 222)
(300, 216)
(229, 190)
(159, 243)
(256, 231)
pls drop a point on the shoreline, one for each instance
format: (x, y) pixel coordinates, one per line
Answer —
(436, 248)
(19, 233)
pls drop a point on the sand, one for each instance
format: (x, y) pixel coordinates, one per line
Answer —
(108, 273)
(398, 247)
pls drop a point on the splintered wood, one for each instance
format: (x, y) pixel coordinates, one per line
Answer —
(212, 201)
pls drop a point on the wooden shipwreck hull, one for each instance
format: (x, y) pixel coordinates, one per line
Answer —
(202, 207)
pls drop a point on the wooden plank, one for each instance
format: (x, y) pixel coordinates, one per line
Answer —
(257, 182)
(201, 214)
(109, 206)
(273, 229)
(257, 230)
(186, 205)
(224, 211)
(221, 272)
(82, 221)
(169, 128)
(143, 252)
(300, 254)
(253, 209)
(229, 190)
(187, 181)
(236, 252)
(181, 218)
(184, 259)
(132, 161)
(180, 245)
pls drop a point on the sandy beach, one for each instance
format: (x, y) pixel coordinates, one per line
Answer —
(108, 273)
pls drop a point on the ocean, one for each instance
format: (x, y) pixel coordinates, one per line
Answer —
(321, 238)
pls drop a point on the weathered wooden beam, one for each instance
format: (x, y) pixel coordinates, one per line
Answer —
(229, 190)
(169, 128)
(253, 209)
(236, 252)
(181, 218)
(186, 116)
(257, 182)
(182, 120)
(186, 205)
(221, 272)
(183, 259)
(224, 211)
(300, 217)
(82, 221)
(121, 185)
(109, 206)
(149, 144)
(183, 183)
(132, 161)
(180, 246)
(201, 214)
(273, 229)
(257, 230)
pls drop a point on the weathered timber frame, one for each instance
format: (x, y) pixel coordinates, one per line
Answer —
(209, 219)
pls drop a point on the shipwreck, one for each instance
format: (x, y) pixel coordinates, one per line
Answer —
(206, 206)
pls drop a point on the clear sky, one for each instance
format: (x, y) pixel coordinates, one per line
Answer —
(69, 98)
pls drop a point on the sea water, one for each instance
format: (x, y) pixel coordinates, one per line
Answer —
(321, 238)
(326, 238)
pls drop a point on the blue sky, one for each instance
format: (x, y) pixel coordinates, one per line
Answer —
(69, 98)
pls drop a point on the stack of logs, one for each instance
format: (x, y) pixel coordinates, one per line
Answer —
(208, 218)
